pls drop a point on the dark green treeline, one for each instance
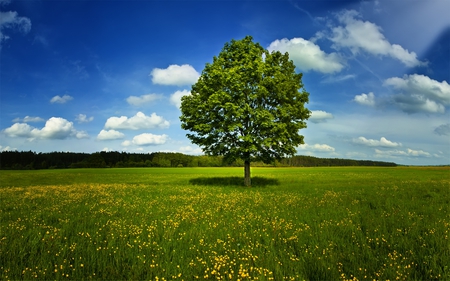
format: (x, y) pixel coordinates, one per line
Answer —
(15, 160)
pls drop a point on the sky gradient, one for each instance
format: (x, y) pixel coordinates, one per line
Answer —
(87, 76)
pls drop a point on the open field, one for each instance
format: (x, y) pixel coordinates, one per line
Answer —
(349, 223)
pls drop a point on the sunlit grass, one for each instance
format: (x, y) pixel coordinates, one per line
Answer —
(185, 224)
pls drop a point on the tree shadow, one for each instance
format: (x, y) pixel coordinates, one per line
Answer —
(233, 181)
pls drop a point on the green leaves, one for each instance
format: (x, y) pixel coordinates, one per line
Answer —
(247, 104)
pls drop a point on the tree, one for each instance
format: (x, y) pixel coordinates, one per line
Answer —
(248, 104)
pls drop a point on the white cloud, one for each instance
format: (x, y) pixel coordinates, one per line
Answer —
(63, 99)
(137, 122)
(383, 142)
(358, 35)
(11, 20)
(319, 116)
(110, 135)
(337, 79)
(82, 118)
(55, 128)
(175, 98)
(365, 99)
(307, 55)
(19, 130)
(419, 93)
(175, 75)
(126, 143)
(81, 135)
(28, 119)
(149, 139)
(144, 99)
(398, 153)
(191, 150)
(317, 147)
(7, 148)
(443, 130)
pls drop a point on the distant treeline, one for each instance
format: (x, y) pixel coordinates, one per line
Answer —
(15, 160)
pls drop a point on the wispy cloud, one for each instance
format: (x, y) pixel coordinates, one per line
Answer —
(143, 100)
(28, 119)
(82, 118)
(11, 20)
(59, 99)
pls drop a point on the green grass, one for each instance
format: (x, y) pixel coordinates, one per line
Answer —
(201, 223)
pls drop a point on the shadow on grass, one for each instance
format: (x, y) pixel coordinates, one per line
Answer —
(233, 181)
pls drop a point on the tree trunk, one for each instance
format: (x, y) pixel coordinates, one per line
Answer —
(247, 179)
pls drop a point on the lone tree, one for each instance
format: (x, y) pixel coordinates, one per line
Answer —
(247, 104)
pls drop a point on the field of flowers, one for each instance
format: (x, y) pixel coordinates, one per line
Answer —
(201, 223)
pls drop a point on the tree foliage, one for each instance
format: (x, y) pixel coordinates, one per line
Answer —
(248, 104)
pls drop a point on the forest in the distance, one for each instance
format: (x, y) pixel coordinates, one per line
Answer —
(28, 160)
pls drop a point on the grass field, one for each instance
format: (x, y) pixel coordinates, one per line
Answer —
(201, 223)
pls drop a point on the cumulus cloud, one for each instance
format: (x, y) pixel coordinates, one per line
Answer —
(149, 139)
(383, 142)
(82, 118)
(144, 99)
(443, 130)
(19, 130)
(358, 35)
(419, 93)
(175, 98)
(365, 99)
(399, 153)
(317, 147)
(63, 99)
(137, 122)
(319, 116)
(110, 135)
(55, 128)
(307, 55)
(175, 75)
(11, 20)
(28, 119)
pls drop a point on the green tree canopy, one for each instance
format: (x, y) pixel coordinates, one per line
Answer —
(248, 104)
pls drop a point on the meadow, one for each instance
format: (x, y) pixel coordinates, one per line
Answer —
(342, 223)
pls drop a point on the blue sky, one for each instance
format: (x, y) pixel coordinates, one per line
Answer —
(86, 76)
